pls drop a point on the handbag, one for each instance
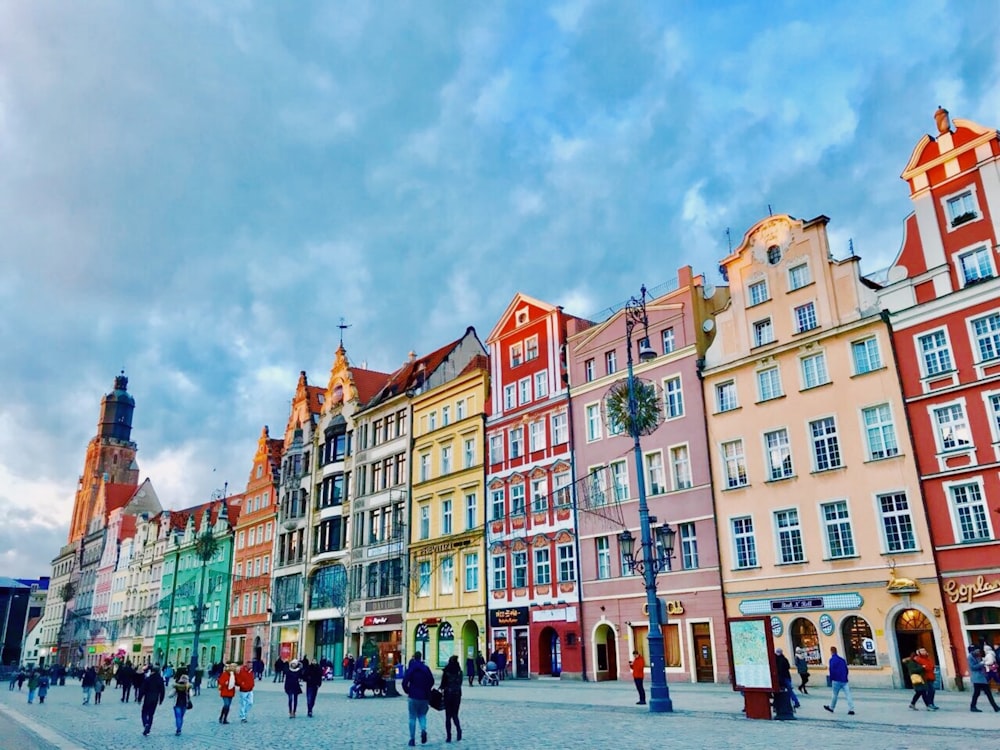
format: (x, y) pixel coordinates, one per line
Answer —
(190, 705)
(916, 679)
(436, 699)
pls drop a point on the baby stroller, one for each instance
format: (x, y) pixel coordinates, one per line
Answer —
(367, 679)
(491, 676)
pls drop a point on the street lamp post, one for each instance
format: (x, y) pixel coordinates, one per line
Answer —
(205, 547)
(651, 562)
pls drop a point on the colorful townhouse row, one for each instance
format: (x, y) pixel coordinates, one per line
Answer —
(829, 457)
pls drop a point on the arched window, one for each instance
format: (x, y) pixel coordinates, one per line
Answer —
(446, 643)
(859, 645)
(804, 636)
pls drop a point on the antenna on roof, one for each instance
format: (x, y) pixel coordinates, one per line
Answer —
(850, 246)
(769, 213)
(729, 239)
(343, 327)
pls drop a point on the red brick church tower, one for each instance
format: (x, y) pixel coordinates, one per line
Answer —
(110, 456)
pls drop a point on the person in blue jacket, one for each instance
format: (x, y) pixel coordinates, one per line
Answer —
(838, 680)
(417, 684)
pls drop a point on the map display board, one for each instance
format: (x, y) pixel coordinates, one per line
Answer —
(751, 647)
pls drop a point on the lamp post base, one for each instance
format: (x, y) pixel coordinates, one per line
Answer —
(659, 701)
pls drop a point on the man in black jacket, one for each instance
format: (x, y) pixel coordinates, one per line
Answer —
(312, 673)
(151, 694)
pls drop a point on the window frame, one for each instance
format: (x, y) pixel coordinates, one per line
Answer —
(744, 542)
(894, 515)
(794, 283)
(828, 439)
(767, 379)
(841, 525)
(991, 337)
(939, 349)
(721, 391)
(978, 506)
(979, 252)
(673, 398)
(804, 368)
(785, 468)
(758, 327)
(883, 427)
(754, 299)
(739, 463)
(854, 355)
(805, 316)
(789, 544)
(940, 441)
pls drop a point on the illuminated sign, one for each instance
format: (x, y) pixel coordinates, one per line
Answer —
(509, 616)
(966, 592)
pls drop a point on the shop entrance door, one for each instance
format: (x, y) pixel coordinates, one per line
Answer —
(521, 649)
(704, 665)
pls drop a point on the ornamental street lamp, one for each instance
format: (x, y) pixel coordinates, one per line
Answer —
(651, 562)
(205, 548)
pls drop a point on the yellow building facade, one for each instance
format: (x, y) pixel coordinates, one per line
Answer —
(446, 611)
(821, 519)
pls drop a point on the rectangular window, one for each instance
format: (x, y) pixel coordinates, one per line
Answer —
(758, 293)
(975, 265)
(725, 396)
(994, 408)
(425, 521)
(516, 443)
(866, 356)
(541, 384)
(935, 353)
(779, 454)
(560, 489)
(654, 473)
(673, 398)
(567, 563)
(445, 460)
(531, 348)
(543, 567)
(516, 354)
(468, 453)
(536, 435)
(680, 464)
(789, 536)
(805, 317)
(825, 444)
(897, 525)
(560, 428)
(499, 573)
(689, 545)
(588, 370)
(814, 370)
(424, 572)
(603, 546)
(497, 504)
(962, 208)
(763, 332)
(952, 427)
(769, 384)
(517, 499)
(987, 333)
(735, 463)
(472, 571)
(425, 466)
(445, 416)
(539, 495)
(880, 432)
(447, 575)
(524, 390)
(744, 542)
(610, 362)
(798, 276)
(970, 512)
(593, 418)
(520, 560)
(619, 479)
(470, 511)
(510, 396)
(837, 524)
(446, 517)
(496, 449)
(668, 340)
(460, 410)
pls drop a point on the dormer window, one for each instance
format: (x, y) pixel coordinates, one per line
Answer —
(521, 317)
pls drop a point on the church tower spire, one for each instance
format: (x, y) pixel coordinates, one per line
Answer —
(110, 456)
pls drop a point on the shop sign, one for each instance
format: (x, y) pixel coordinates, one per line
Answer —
(375, 620)
(826, 624)
(509, 616)
(801, 604)
(777, 626)
(965, 592)
(784, 605)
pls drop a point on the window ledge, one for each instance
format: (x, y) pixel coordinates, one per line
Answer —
(763, 345)
(804, 286)
(788, 564)
(842, 467)
(726, 411)
(869, 372)
(734, 489)
(841, 557)
(773, 398)
(807, 331)
(913, 551)
(748, 567)
(885, 458)
(952, 452)
(781, 479)
(939, 375)
(758, 304)
(814, 387)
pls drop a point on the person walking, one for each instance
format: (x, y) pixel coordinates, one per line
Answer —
(293, 686)
(182, 701)
(245, 682)
(417, 684)
(915, 672)
(124, 677)
(451, 689)
(638, 665)
(312, 674)
(802, 667)
(99, 684)
(929, 675)
(227, 690)
(838, 680)
(279, 669)
(480, 667)
(43, 686)
(138, 677)
(980, 682)
(32, 686)
(150, 695)
(470, 669)
(784, 669)
(88, 683)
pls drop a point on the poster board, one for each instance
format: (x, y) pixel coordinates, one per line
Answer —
(751, 654)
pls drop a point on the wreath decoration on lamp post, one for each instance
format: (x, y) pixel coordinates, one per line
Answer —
(648, 410)
(206, 546)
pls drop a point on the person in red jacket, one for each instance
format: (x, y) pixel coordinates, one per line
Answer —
(638, 665)
(227, 689)
(245, 682)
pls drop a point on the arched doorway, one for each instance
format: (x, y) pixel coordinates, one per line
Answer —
(913, 631)
(804, 636)
(470, 641)
(549, 653)
(605, 653)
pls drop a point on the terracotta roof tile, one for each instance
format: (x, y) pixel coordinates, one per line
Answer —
(368, 383)
(412, 373)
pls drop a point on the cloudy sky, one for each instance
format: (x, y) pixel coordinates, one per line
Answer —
(196, 192)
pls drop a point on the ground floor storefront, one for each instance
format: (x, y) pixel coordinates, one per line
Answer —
(538, 640)
(285, 641)
(972, 610)
(450, 633)
(176, 650)
(377, 641)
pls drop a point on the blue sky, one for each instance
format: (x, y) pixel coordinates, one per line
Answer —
(196, 192)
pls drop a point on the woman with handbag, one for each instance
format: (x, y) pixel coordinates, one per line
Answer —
(451, 687)
(916, 672)
(182, 700)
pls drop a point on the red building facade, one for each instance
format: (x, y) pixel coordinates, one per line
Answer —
(943, 295)
(533, 607)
